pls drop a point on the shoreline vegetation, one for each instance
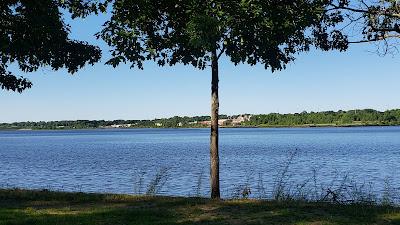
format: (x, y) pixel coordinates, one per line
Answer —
(351, 118)
(44, 207)
(205, 127)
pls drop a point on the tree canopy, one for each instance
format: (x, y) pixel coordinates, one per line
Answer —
(33, 34)
(269, 32)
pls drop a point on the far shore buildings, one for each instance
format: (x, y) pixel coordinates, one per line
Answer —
(229, 121)
(234, 121)
(121, 125)
(240, 119)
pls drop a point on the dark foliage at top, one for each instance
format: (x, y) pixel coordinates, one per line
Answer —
(269, 32)
(33, 35)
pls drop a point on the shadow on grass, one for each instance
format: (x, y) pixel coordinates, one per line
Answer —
(45, 208)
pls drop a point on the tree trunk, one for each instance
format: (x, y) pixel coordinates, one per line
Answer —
(214, 158)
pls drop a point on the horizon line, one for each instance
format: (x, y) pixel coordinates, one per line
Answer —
(229, 115)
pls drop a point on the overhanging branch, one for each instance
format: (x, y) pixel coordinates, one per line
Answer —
(374, 40)
(367, 11)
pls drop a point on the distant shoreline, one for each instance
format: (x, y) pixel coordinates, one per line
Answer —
(221, 127)
(350, 118)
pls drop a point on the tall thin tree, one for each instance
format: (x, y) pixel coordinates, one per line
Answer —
(200, 32)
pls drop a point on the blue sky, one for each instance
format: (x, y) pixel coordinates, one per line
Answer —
(316, 81)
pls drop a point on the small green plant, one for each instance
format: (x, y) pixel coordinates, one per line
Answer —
(262, 194)
(199, 183)
(281, 188)
(243, 191)
(158, 182)
(388, 194)
(138, 182)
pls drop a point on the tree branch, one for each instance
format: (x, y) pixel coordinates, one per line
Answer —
(221, 52)
(376, 39)
(365, 11)
(386, 29)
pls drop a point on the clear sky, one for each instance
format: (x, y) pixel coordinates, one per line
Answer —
(316, 81)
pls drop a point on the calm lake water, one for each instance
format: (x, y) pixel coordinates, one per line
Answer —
(114, 160)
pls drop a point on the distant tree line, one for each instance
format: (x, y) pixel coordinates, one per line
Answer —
(172, 122)
(328, 118)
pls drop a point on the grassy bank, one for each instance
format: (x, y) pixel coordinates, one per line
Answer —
(45, 208)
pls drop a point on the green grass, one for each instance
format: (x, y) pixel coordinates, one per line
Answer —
(51, 208)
